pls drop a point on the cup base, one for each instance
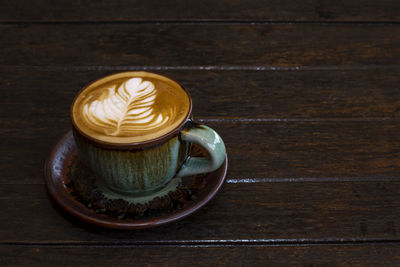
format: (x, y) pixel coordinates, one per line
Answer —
(140, 197)
(58, 179)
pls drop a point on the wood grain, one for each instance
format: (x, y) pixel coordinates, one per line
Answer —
(322, 255)
(305, 94)
(194, 45)
(180, 10)
(274, 150)
(246, 213)
(339, 122)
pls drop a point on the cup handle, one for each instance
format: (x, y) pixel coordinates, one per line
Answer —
(211, 141)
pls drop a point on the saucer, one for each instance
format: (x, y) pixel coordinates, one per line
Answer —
(57, 183)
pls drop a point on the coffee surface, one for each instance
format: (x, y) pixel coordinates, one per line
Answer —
(130, 107)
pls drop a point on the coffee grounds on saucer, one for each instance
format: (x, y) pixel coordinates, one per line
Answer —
(85, 191)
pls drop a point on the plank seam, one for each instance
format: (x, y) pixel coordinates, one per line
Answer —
(266, 120)
(206, 21)
(354, 119)
(276, 180)
(307, 179)
(196, 68)
(211, 243)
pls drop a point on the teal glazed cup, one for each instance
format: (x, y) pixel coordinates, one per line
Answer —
(152, 167)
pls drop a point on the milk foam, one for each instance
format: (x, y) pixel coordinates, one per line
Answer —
(130, 107)
(125, 109)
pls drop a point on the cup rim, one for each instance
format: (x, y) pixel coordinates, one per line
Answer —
(131, 145)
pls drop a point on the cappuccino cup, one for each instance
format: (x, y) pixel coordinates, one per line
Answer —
(134, 131)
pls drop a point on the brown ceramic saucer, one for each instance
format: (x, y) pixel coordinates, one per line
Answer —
(56, 169)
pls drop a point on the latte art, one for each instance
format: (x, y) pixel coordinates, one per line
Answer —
(128, 108)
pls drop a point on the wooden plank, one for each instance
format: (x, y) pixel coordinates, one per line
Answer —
(225, 94)
(180, 10)
(253, 95)
(246, 213)
(317, 255)
(273, 150)
(194, 45)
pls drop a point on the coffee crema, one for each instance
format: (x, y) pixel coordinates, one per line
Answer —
(130, 107)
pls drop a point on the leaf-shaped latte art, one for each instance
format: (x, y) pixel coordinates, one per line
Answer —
(128, 108)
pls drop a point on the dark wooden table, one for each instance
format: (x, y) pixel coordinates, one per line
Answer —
(305, 94)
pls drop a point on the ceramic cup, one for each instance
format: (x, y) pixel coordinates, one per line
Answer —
(153, 166)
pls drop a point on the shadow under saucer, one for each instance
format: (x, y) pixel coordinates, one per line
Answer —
(63, 168)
